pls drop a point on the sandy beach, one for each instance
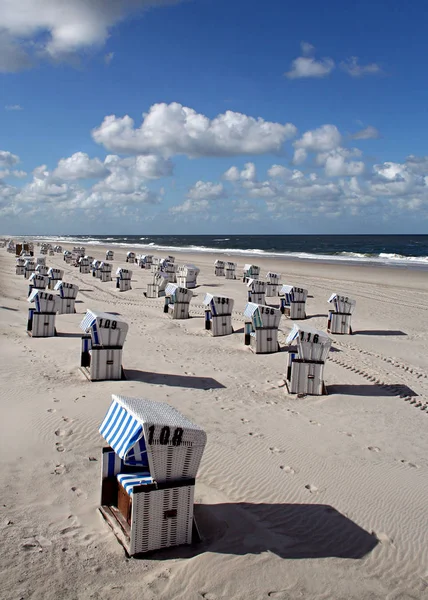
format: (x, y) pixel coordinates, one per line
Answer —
(319, 498)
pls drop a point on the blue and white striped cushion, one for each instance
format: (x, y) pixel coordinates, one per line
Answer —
(129, 480)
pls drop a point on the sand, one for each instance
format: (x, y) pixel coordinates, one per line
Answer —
(312, 498)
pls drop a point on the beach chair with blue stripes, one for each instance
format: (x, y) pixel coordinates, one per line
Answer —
(37, 282)
(293, 301)
(261, 328)
(218, 314)
(339, 318)
(144, 261)
(102, 345)
(66, 297)
(41, 269)
(54, 275)
(130, 257)
(230, 272)
(105, 272)
(148, 474)
(256, 291)
(308, 350)
(123, 279)
(177, 301)
(272, 284)
(41, 318)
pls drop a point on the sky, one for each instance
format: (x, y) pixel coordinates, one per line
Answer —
(213, 116)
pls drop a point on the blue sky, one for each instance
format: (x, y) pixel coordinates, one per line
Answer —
(261, 117)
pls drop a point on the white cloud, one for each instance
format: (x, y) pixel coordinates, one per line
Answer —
(306, 66)
(56, 28)
(417, 164)
(300, 155)
(323, 139)
(337, 166)
(352, 67)
(170, 129)
(306, 48)
(7, 159)
(200, 196)
(79, 166)
(232, 174)
(248, 173)
(369, 133)
(13, 107)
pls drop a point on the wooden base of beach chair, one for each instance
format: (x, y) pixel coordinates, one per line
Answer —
(339, 323)
(306, 379)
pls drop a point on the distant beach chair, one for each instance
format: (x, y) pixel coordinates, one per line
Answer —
(109, 255)
(261, 328)
(144, 261)
(339, 318)
(66, 297)
(42, 269)
(156, 289)
(102, 345)
(41, 318)
(177, 301)
(130, 257)
(105, 272)
(293, 304)
(20, 268)
(218, 314)
(306, 359)
(58, 249)
(148, 473)
(250, 272)
(68, 257)
(54, 275)
(95, 268)
(41, 260)
(272, 284)
(256, 291)
(29, 268)
(168, 267)
(219, 266)
(84, 265)
(230, 271)
(187, 276)
(123, 279)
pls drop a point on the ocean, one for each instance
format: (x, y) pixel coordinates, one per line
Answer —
(393, 250)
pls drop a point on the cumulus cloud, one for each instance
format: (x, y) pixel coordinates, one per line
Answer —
(323, 139)
(200, 196)
(353, 69)
(417, 164)
(7, 159)
(170, 129)
(307, 66)
(56, 28)
(369, 133)
(79, 166)
(336, 164)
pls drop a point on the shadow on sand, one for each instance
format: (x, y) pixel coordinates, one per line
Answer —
(184, 381)
(291, 531)
(371, 390)
(380, 332)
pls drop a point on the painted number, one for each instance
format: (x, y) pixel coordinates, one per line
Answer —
(315, 338)
(108, 324)
(267, 311)
(165, 436)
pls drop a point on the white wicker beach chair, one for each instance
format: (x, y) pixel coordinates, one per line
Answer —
(41, 318)
(339, 318)
(306, 359)
(218, 314)
(293, 303)
(261, 328)
(123, 279)
(177, 301)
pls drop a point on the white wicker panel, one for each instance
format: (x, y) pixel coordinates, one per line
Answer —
(306, 378)
(106, 364)
(265, 341)
(43, 325)
(339, 323)
(221, 325)
(179, 310)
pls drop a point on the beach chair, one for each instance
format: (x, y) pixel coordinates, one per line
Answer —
(66, 297)
(250, 272)
(102, 345)
(29, 268)
(156, 289)
(306, 359)
(68, 257)
(37, 282)
(109, 255)
(54, 275)
(177, 301)
(293, 303)
(261, 328)
(256, 291)
(187, 276)
(84, 265)
(95, 268)
(130, 257)
(230, 271)
(339, 318)
(105, 272)
(41, 318)
(20, 268)
(41, 260)
(42, 269)
(272, 284)
(58, 249)
(123, 279)
(148, 474)
(219, 268)
(218, 314)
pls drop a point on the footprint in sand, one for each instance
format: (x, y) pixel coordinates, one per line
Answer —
(311, 488)
(315, 423)
(383, 538)
(347, 433)
(373, 449)
(77, 491)
(245, 421)
(59, 447)
(287, 469)
(256, 434)
(51, 410)
(409, 464)
(63, 432)
(275, 450)
(67, 419)
(59, 470)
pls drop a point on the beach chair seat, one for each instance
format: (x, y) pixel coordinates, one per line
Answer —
(129, 480)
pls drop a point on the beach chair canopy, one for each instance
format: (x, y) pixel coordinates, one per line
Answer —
(20, 262)
(262, 316)
(105, 267)
(44, 302)
(130, 254)
(37, 279)
(311, 343)
(140, 430)
(121, 272)
(273, 277)
(342, 304)
(96, 264)
(219, 263)
(55, 273)
(66, 290)
(256, 285)
(29, 264)
(293, 293)
(178, 294)
(106, 329)
(219, 305)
